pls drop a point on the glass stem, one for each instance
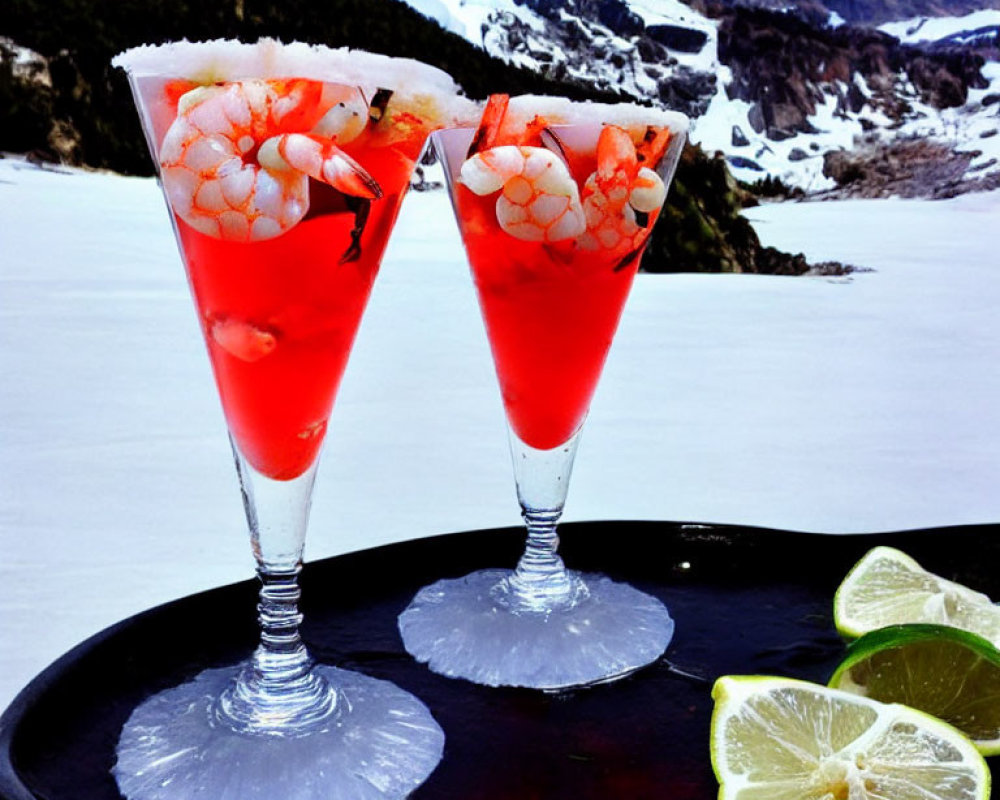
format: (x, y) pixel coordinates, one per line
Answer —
(277, 691)
(541, 577)
(541, 581)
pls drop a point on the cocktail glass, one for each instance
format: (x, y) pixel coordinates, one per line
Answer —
(555, 201)
(283, 167)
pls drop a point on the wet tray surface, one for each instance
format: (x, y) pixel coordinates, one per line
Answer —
(745, 600)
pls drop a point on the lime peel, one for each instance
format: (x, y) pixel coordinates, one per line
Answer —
(949, 673)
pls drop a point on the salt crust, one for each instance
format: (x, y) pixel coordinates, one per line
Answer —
(231, 60)
(559, 110)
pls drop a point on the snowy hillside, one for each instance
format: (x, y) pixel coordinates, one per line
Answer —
(663, 51)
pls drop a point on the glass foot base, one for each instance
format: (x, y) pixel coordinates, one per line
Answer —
(458, 629)
(380, 744)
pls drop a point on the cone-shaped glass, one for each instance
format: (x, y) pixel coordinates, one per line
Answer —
(283, 167)
(555, 202)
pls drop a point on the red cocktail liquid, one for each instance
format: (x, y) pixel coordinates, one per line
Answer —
(280, 315)
(551, 311)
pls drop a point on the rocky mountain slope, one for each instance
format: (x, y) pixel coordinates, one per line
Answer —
(782, 95)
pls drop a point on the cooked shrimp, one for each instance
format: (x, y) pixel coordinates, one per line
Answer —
(617, 190)
(540, 201)
(236, 161)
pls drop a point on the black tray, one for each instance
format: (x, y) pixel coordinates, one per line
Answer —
(745, 600)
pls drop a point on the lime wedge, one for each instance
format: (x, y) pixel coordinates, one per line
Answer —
(781, 739)
(949, 673)
(887, 587)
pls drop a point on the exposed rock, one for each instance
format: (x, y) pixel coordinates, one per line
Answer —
(944, 79)
(652, 51)
(906, 168)
(854, 98)
(797, 154)
(687, 91)
(834, 269)
(786, 67)
(675, 37)
(780, 134)
(739, 138)
(771, 261)
(616, 15)
(745, 163)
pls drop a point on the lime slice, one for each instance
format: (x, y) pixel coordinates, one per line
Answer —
(781, 739)
(887, 587)
(952, 674)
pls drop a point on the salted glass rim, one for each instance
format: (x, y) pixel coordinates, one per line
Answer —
(563, 111)
(220, 60)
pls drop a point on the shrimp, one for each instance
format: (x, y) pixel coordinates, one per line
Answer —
(540, 201)
(618, 189)
(236, 161)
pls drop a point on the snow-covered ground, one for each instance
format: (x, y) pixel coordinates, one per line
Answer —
(933, 29)
(803, 403)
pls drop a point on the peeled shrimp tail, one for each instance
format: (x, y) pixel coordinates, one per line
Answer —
(319, 159)
(648, 191)
(487, 172)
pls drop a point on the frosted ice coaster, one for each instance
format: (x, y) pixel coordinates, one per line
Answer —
(380, 744)
(460, 630)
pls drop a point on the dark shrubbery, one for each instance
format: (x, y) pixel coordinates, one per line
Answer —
(704, 230)
(25, 109)
(773, 188)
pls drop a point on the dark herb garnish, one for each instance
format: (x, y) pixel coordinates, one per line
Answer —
(477, 142)
(361, 207)
(647, 139)
(628, 259)
(653, 147)
(429, 157)
(378, 105)
(553, 143)
(560, 252)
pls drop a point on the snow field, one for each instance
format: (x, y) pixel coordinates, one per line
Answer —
(803, 403)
